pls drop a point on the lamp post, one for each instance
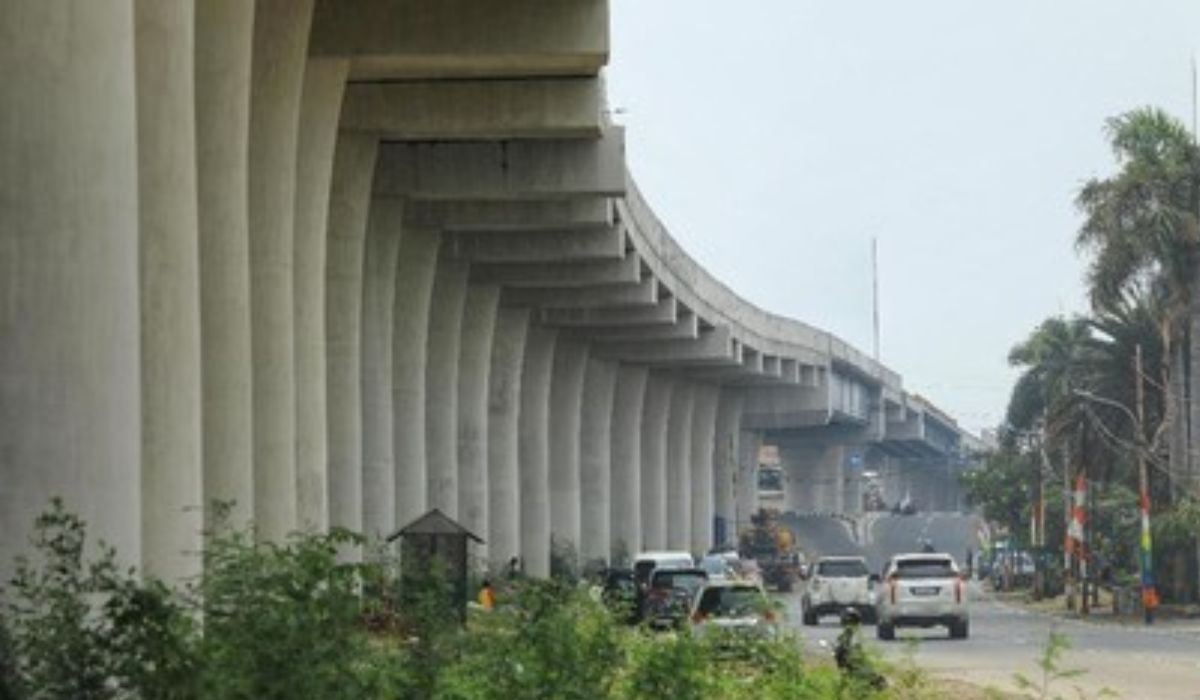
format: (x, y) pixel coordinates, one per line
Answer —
(1145, 552)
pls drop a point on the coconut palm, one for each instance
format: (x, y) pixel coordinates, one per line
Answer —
(1141, 228)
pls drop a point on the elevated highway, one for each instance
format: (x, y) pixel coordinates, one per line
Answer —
(341, 262)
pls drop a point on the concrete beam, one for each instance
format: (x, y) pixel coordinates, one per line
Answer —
(389, 39)
(664, 313)
(503, 431)
(714, 346)
(486, 110)
(380, 261)
(595, 460)
(625, 486)
(349, 204)
(281, 29)
(171, 473)
(685, 328)
(223, 48)
(786, 406)
(643, 293)
(324, 82)
(561, 275)
(504, 170)
(528, 215)
(602, 243)
(656, 411)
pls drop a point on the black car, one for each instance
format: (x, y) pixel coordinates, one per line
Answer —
(669, 595)
(620, 594)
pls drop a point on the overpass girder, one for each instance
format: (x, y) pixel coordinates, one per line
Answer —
(643, 293)
(588, 273)
(600, 243)
(554, 215)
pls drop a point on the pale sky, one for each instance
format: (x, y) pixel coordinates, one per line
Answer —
(775, 138)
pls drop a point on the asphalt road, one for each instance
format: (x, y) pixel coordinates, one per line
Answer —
(1161, 663)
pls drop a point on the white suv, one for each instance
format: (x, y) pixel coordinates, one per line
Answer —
(922, 590)
(838, 584)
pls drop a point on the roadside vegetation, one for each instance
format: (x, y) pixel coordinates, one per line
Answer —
(1086, 406)
(294, 620)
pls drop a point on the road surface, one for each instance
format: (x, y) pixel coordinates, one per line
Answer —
(1160, 663)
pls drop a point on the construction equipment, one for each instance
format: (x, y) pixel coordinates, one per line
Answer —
(773, 546)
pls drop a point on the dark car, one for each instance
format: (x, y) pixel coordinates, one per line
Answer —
(669, 596)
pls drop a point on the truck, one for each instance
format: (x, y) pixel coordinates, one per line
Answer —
(773, 546)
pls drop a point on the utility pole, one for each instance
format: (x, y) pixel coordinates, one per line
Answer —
(875, 294)
(1149, 595)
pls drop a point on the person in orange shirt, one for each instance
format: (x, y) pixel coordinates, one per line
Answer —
(487, 597)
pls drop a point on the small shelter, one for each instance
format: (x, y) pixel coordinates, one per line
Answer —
(433, 544)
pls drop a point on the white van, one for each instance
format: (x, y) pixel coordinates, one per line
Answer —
(646, 562)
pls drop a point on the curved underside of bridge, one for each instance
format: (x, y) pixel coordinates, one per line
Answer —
(341, 262)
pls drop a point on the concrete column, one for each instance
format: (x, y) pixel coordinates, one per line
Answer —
(799, 493)
(704, 423)
(441, 384)
(535, 449)
(503, 429)
(324, 82)
(595, 460)
(410, 344)
(380, 261)
(70, 411)
(725, 460)
(566, 394)
(474, 371)
(656, 409)
(625, 489)
(172, 497)
(746, 483)
(815, 471)
(679, 466)
(832, 480)
(277, 78)
(349, 203)
(224, 33)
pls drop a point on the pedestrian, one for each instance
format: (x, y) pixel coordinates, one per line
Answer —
(487, 597)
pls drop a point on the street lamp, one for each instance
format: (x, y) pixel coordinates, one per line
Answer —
(1149, 594)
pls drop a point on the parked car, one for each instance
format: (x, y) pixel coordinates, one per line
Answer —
(669, 596)
(645, 563)
(923, 590)
(733, 607)
(838, 584)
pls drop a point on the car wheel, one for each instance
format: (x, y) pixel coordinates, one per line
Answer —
(885, 631)
(959, 630)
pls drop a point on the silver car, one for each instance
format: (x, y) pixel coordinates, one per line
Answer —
(922, 590)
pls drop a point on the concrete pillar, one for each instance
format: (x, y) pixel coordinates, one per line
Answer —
(852, 468)
(799, 492)
(380, 261)
(566, 394)
(816, 471)
(746, 482)
(679, 466)
(441, 384)
(224, 33)
(69, 331)
(410, 344)
(656, 410)
(349, 203)
(172, 497)
(725, 459)
(324, 82)
(474, 371)
(625, 489)
(503, 430)
(277, 78)
(595, 460)
(535, 449)
(704, 423)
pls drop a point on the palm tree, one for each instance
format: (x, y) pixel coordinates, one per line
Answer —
(1141, 227)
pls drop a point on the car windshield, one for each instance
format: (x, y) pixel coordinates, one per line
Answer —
(842, 569)
(715, 566)
(727, 601)
(924, 568)
(688, 581)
